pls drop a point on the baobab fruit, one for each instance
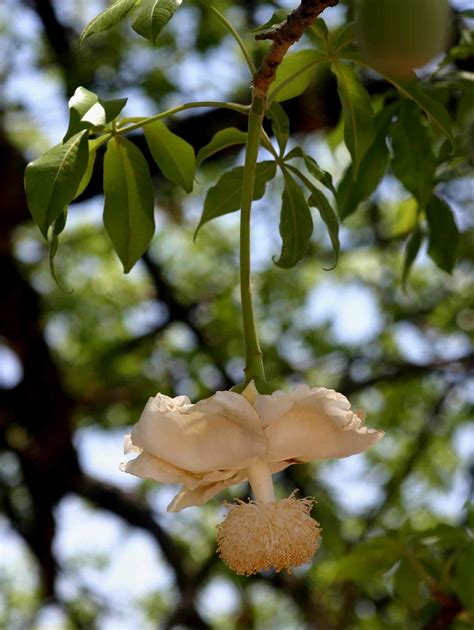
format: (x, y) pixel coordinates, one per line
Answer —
(397, 36)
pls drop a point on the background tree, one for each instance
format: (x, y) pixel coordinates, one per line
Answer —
(77, 367)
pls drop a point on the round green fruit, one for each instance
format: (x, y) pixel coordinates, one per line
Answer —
(397, 36)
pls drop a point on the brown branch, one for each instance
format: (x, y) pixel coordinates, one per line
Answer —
(284, 36)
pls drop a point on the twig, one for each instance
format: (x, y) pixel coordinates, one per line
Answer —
(284, 36)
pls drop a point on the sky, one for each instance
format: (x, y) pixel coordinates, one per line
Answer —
(136, 568)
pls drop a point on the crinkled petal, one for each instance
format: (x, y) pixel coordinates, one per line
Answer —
(202, 493)
(210, 486)
(309, 424)
(221, 432)
(129, 446)
(149, 467)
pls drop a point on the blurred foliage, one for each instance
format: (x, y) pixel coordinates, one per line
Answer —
(397, 524)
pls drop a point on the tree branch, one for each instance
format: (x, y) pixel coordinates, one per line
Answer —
(284, 36)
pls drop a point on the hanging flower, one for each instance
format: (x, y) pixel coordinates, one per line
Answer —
(229, 438)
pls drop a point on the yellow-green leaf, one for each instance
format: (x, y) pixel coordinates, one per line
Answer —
(221, 140)
(296, 224)
(51, 181)
(108, 18)
(357, 112)
(174, 156)
(226, 195)
(128, 211)
(152, 16)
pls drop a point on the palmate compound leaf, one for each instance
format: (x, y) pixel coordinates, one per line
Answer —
(108, 18)
(225, 196)
(221, 140)
(51, 181)
(296, 224)
(174, 156)
(152, 16)
(357, 113)
(443, 234)
(128, 211)
(414, 162)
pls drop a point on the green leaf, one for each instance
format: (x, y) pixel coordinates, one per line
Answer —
(79, 104)
(345, 37)
(313, 167)
(443, 234)
(58, 227)
(320, 174)
(321, 33)
(410, 87)
(444, 537)
(296, 152)
(294, 74)
(435, 111)
(108, 18)
(221, 140)
(319, 201)
(357, 113)
(407, 583)
(86, 178)
(86, 109)
(278, 17)
(225, 196)
(113, 107)
(103, 112)
(280, 125)
(152, 16)
(411, 252)
(52, 180)
(296, 224)
(368, 560)
(414, 163)
(464, 576)
(352, 190)
(128, 211)
(469, 13)
(174, 156)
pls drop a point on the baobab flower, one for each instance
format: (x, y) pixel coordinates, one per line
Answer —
(229, 438)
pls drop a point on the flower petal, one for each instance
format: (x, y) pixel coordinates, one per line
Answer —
(205, 491)
(149, 467)
(309, 424)
(221, 432)
(208, 488)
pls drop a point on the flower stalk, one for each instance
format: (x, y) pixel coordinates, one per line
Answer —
(253, 354)
(260, 479)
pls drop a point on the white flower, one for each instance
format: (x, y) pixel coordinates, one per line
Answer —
(229, 438)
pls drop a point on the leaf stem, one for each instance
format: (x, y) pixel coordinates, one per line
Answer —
(242, 109)
(253, 355)
(220, 16)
